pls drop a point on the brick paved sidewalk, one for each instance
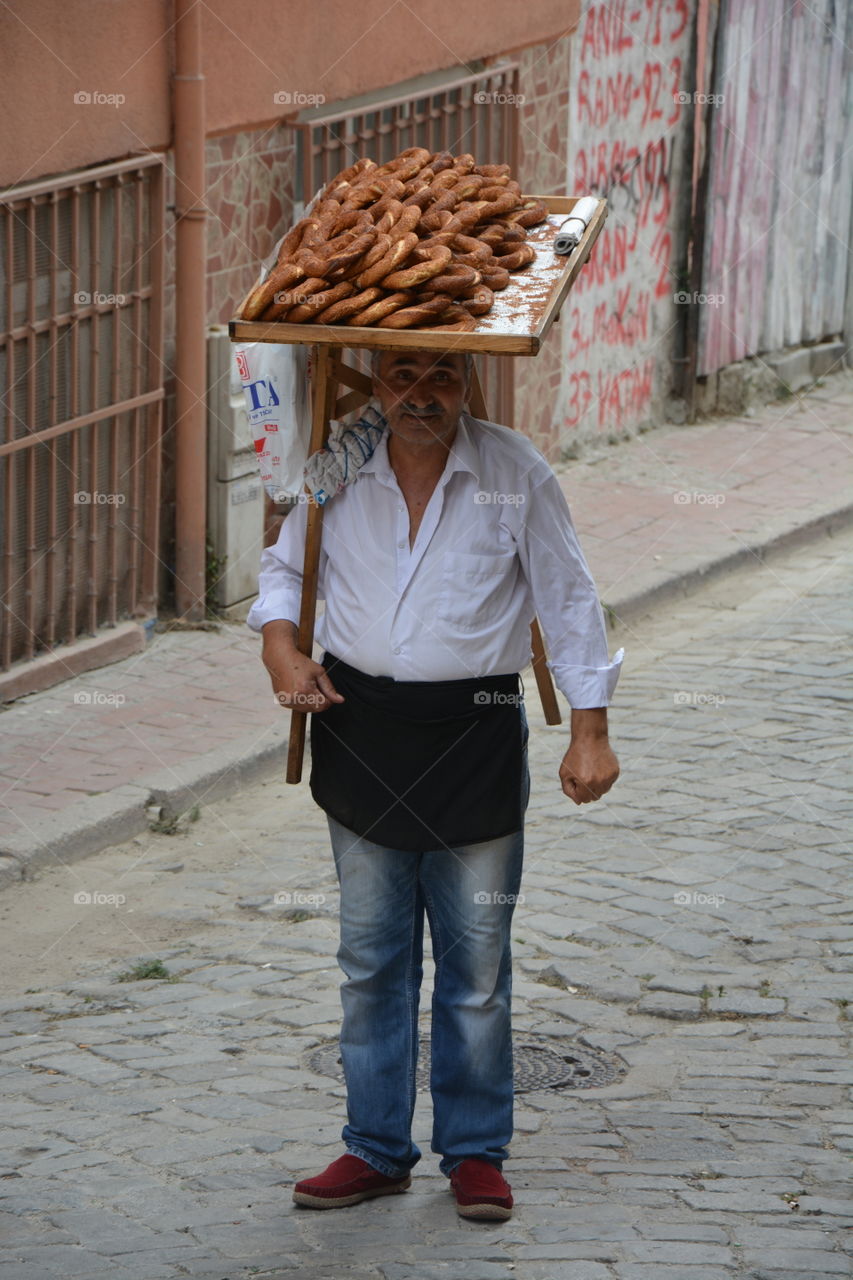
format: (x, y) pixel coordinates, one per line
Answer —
(187, 717)
(677, 502)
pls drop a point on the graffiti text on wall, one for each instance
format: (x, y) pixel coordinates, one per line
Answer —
(627, 106)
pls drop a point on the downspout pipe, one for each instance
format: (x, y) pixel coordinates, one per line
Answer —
(190, 312)
(699, 188)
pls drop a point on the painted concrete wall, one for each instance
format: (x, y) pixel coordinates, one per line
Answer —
(605, 114)
(629, 126)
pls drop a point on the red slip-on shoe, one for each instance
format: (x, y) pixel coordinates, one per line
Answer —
(347, 1180)
(481, 1190)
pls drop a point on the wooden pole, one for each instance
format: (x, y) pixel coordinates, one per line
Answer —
(325, 380)
(191, 345)
(544, 683)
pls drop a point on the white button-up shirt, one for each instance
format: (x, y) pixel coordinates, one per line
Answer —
(496, 546)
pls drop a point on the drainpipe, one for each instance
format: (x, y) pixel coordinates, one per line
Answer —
(191, 310)
(701, 162)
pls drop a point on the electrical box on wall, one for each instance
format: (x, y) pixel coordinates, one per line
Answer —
(234, 490)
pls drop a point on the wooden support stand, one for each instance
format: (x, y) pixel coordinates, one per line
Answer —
(329, 371)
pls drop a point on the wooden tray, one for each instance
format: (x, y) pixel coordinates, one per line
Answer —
(517, 324)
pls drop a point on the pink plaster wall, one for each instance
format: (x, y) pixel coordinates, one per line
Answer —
(57, 49)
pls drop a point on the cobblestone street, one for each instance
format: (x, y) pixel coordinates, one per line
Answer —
(690, 934)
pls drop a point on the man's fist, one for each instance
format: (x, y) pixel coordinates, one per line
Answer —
(298, 681)
(589, 767)
(588, 771)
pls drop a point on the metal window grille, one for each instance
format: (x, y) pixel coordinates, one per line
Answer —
(470, 113)
(81, 378)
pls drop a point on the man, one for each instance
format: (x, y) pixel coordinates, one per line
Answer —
(453, 536)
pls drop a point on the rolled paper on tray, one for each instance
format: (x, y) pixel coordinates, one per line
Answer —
(569, 236)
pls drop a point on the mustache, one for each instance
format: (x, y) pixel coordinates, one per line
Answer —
(431, 411)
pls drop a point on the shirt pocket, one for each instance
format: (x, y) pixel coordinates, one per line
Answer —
(476, 590)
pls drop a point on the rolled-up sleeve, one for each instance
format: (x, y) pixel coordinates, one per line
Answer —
(280, 578)
(566, 600)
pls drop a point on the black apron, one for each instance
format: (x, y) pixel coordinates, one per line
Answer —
(418, 765)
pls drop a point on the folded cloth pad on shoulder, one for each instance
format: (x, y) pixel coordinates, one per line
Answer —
(348, 448)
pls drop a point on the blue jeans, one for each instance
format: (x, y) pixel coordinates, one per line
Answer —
(468, 895)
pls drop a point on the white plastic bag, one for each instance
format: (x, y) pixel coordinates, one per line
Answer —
(276, 384)
(352, 440)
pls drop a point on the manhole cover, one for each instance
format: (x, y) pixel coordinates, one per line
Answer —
(538, 1064)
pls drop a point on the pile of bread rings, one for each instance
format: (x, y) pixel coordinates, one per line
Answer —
(422, 242)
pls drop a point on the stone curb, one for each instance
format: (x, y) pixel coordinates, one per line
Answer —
(88, 826)
(632, 608)
(121, 814)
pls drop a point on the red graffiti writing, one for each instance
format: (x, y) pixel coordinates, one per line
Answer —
(638, 190)
(609, 259)
(624, 397)
(612, 97)
(629, 109)
(621, 398)
(632, 180)
(580, 397)
(622, 325)
(607, 27)
(605, 31)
